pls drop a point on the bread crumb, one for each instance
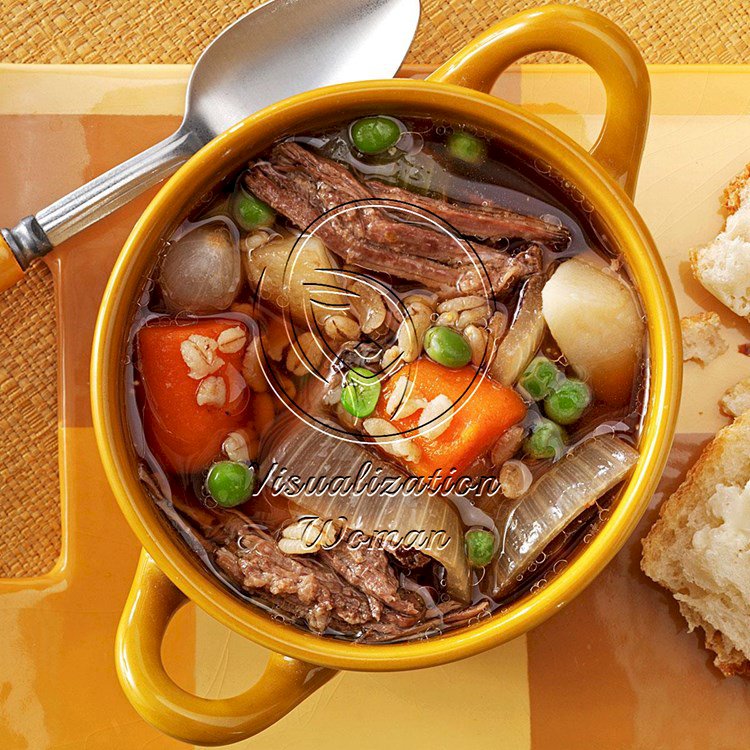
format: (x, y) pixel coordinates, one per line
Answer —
(701, 337)
(723, 266)
(736, 400)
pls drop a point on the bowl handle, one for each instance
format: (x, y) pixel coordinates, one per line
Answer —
(152, 602)
(590, 37)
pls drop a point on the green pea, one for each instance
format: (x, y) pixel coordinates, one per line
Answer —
(568, 401)
(361, 392)
(447, 347)
(539, 378)
(467, 147)
(230, 483)
(373, 135)
(547, 440)
(250, 212)
(480, 547)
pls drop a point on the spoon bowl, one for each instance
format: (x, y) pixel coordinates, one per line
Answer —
(271, 54)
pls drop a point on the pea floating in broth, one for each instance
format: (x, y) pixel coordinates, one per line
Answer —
(359, 384)
(373, 135)
(360, 393)
(467, 147)
(248, 212)
(230, 483)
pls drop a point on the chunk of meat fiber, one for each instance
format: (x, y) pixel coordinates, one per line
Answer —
(408, 558)
(303, 186)
(308, 587)
(292, 585)
(488, 222)
(368, 570)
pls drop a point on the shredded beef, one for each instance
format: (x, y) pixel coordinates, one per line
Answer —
(486, 222)
(408, 558)
(297, 584)
(349, 589)
(367, 569)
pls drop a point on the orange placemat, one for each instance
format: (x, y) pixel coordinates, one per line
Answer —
(614, 670)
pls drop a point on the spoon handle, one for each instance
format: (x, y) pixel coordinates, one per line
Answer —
(35, 236)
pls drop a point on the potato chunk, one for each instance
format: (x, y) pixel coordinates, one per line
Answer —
(291, 275)
(596, 323)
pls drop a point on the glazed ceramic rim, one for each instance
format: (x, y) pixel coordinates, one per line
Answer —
(529, 135)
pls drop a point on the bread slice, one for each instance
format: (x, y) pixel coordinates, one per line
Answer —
(723, 266)
(699, 548)
(701, 337)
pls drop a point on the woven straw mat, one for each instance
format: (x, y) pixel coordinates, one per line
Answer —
(175, 31)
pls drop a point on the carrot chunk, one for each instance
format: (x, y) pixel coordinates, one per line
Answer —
(189, 410)
(482, 411)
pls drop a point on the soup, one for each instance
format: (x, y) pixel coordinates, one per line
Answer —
(387, 379)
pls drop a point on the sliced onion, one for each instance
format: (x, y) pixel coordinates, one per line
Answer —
(201, 271)
(308, 454)
(570, 486)
(524, 336)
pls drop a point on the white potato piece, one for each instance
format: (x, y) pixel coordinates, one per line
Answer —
(291, 276)
(595, 321)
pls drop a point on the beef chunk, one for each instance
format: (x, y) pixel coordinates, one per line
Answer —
(303, 186)
(486, 222)
(368, 570)
(409, 558)
(350, 589)
(296, 584)
(342, 588)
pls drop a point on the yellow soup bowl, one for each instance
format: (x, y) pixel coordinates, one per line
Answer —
(169, 575)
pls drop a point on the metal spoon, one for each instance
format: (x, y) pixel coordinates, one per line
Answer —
(279, 49)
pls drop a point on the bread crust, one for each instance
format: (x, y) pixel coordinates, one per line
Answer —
(728, 659)
(731, 199)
